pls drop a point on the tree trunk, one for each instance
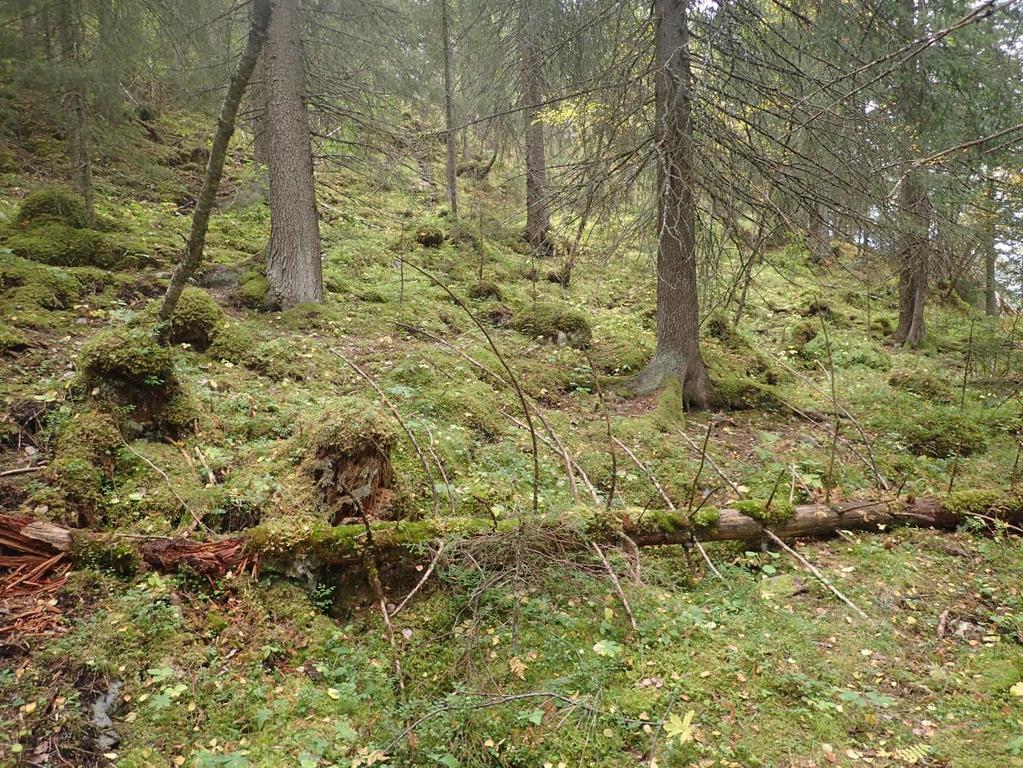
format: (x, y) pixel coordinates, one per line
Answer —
(260, 131)
(74, 103)
(218, 153)
(678, 324)
(538, 219)
(913, 255)
(344, 545)
(294, 268)
(449, 112)
(990, 255)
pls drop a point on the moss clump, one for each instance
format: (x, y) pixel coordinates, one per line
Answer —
(128, 359)
(429, 236)
(107, 553)
(719, 327)
(741, 393)
(670, 410)
(923, 384)
(55, 243)
(233, 343)
(802, 332)
(54, 203)
(553, 323)
(12, 340)
(1000, 503)
(254, 291)
(128, 368)
(777, 512)
(83, 464)
(941, 433)
(195, 319)
(142, 493)
(707, 517)
(485, 289)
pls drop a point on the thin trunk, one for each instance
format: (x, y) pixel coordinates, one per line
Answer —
(538, 220)
(678, 324)
(990, 289)
(293, 270)
(74, 103)
(449, 112)
(913, 254)
(218, 153)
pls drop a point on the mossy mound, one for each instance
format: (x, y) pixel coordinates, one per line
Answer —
(743, 377)
(254, 291)
(941, 434)
(923, 384)
(12, 340)
(143, 493)
(429, 236)
(482, 290)
(56, 243)
(195, 319)
(129, 369)
(238, 344)
(741, 393)
(82, 466)
(58, 204)
(555, 323)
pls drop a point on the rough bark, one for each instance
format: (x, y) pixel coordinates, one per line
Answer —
(343, 545)
(678, 324)
(218, 153)
(294, 268)
(260, 131)
(449, 111)
(913, 255)
(538, 219)
(74, 102)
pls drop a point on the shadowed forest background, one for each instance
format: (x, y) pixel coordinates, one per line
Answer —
(538, 383)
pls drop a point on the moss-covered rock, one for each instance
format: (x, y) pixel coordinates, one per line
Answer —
(923, 384)
(195, 319)
(54, 203)
(56, 243)
(740, 393)
(254, 291)
(12, 340)
(943, 433)
(553, 322)
(485, 289)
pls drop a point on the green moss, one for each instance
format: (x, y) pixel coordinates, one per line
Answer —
(106, 553)
(485, 289)
(82, 465)
(669, 412)
(779, 510)
(127, 358)
(942, 433)
(553, 322)
(922, 383)
(55, 243)
(847, 352)
(55, 203)
(254, 291)
(707, 517)
(802, 332)
(233, 343)
(12, 340)
(1001, 503)
(740, 393)
(195, 319)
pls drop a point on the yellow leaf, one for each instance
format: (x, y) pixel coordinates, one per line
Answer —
(680, 728)
(518, 667)
(334, 693)
(1017, 689)
(29, 708)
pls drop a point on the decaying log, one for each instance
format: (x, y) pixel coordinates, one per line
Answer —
(283, 539)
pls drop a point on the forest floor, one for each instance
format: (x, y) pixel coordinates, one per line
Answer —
(536, 665)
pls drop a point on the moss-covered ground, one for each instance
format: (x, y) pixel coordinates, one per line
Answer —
(524, 666)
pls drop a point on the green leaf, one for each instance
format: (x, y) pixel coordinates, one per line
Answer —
(680, 728)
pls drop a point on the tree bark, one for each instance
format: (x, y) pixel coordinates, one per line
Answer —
(344, 544)
(218, 154)
(260, 131)
(990, 255)
(449, 111)
(678, 323)
(294, 268)
(74, 102)
(913, 255)
(538, 219)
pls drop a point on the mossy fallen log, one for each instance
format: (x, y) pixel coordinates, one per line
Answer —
(283, 540)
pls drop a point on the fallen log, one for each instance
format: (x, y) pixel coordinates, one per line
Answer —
(288, 539)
